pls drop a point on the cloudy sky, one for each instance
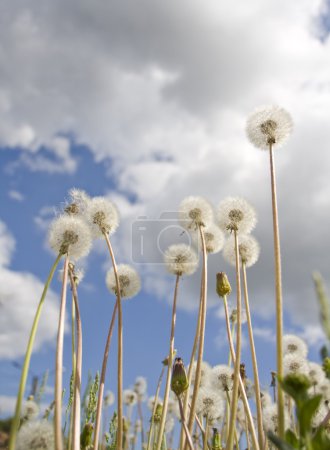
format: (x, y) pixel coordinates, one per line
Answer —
(146, 102)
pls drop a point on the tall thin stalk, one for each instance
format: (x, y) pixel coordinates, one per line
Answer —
(241, 384)
(155, 406)
(120, 349)
(28, 353)
(73, 351)
(202, 334)
(77, 377)
(254, 360)
(183, 421)
(278, 295)
(234, 399)
(102, 379)
(59, 361)
(169, 367)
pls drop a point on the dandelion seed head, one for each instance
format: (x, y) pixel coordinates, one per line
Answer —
(129, 397)
(221, 377)
(181, 259)
(294, 364)
(323, 388)
(71, 235)
(209, 403)
(315, 373)
(78, 200)
(248, 249)
(195, 212)
(270, 418)
(169, 424)
(205, 373)
(109, 398)
(36, 435)
(30, 409)
(293, 344)
(236, 214)
(266, 399)
(102, 216)
(140, 386)
(319, 415)
(129, 281)
(151, 402)
(270, 125)
(213, 236)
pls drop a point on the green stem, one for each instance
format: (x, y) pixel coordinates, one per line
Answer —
(26, 364)
(169, 367)
(278, 295)
(59, 362)
(234, 400)
(151, 429)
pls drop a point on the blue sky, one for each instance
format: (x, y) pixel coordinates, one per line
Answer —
(147, 104)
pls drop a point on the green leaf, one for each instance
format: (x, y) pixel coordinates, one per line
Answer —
(282, 445)
(305, 413)
(320, 440)
(291, 438)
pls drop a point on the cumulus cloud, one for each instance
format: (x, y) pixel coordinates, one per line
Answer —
(19, 296)
(163, 90)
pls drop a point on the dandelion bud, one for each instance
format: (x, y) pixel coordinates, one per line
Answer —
(297, 382)
(158, 413)
(216, 440)
(223, 285)
(179, 381)
(86, 436)
(326, 366)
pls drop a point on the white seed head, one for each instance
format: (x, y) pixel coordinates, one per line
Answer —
(109, 398)
(323, 388)
(221, 378)
(233, 315)
(270, 418)
(181, 259)
(77, 204)
(173, 406)
(235, 213)
(169, 424)
(70, 234)
(36, 435)
(248, 249)
(140, 386)
(195, 212)
(266, 399)
(315, 373)
(205, 373)
(213, 236)
(293, 344)
(129, 397)
(129, 281)
(151, 402)
(78, 275)
(30, 410)
(102, 216)
(294, 364)
(269, 125)
(320, 415)
(209, 403)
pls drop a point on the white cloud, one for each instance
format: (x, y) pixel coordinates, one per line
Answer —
(16, 195)
(19, 296)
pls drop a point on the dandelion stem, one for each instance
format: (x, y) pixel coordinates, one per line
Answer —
(120, 349)
(26, 364)
(77, 372)
(139, 407)
(234, 400)
(278, 294)
(59, 361)
(205, 437)
(155, 406)
(189, 441)
(73, 350)
(169, 367)
(254, 360)
(241, 384)
(202, 334)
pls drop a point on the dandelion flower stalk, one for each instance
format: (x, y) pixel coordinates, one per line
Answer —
(278, 294)
(78, 368)
(26, 364)
(102, 379)
(202, 320)
(254, 359)
(155, 405)
(169, 367)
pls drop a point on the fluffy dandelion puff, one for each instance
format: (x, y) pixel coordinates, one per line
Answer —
(140, 386)
(221, 377)
(270, 418)
(77, 203)
(315, 373)
(209, 403)
(269, 125)
(294, 364)
(30, 410)
(320, 415)
(109, 398)
(70, 234)
(169, 424)
(151, 402)
(214, 238)
(235, 213)
(323, 388)
(181, 259)
(37, 435)
(266, 399)
(129, 397)
(248, 249)
(129, 281)
(195, 212)
(102, 216)
(292, 344)
(205, 373)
